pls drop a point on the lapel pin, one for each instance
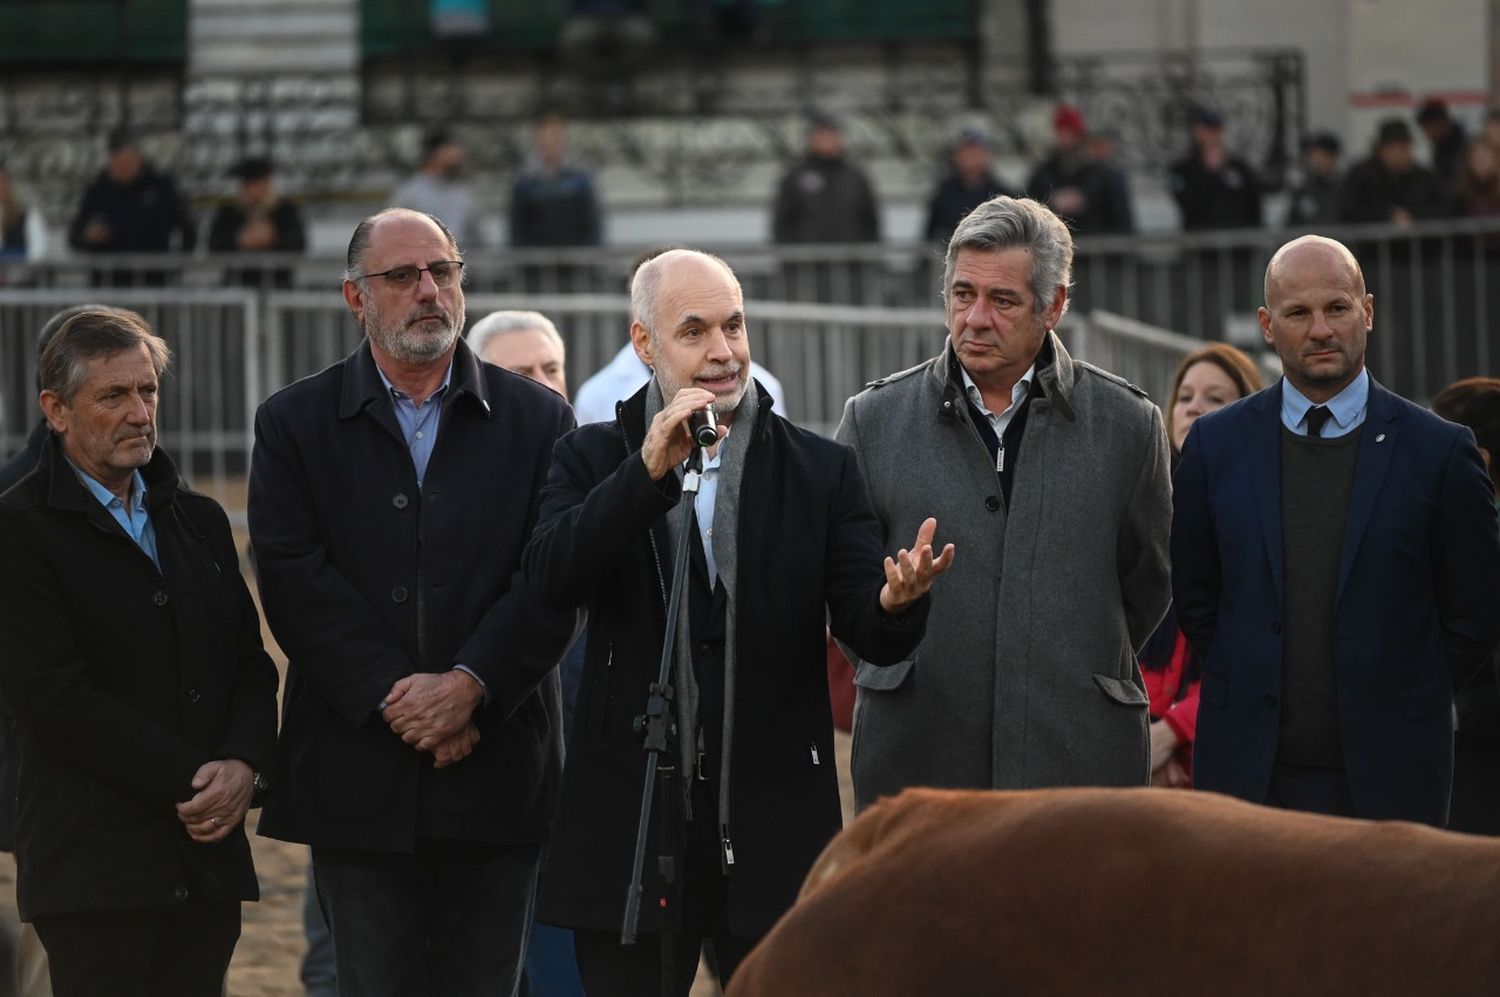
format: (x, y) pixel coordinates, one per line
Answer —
(1380, 438)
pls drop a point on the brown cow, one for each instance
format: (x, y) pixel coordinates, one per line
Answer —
(1133, 892)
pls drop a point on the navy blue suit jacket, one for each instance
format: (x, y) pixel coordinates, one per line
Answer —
(1417, 598)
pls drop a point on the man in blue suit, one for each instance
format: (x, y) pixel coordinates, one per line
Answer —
(1336, 561)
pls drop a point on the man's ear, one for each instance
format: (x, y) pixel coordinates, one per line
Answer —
(1055, 310)
(1264, 316)
(355, 299)
(640, 338)
(54, 409)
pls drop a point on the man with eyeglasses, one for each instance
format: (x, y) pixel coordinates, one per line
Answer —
(390, 498)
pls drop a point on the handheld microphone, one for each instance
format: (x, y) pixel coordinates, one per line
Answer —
(704, 426)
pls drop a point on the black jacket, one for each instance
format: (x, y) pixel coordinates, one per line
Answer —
(1315, 202)
(20, 463)
(366, 579)
(1226, 199)
(1105, 191)
(230, 219)
(12, 471)
(825, 200)
(1370, 193)
(953, 199)
(141, 215)
(806, 540)
(124, 681)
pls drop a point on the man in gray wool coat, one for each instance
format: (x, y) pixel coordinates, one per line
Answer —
(1055, 477)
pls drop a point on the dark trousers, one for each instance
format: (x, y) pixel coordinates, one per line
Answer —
(449, 920)
(609, 969)
(1311, 790)
(182, 951)
(319, 977)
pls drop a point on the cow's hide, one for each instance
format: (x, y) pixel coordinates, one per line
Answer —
(1125, 892)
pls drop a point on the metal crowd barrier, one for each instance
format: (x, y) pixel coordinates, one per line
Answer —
(209, 394)
(1436, 284)
(233, 348)
(822, 354)
(1142, 354)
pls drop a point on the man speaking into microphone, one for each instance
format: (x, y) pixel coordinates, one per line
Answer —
(785, 541)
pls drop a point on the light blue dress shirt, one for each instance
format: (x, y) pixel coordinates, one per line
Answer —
(1018, 391)
(133, 518)
(703, 505)
(419, 423)
(1347, 408)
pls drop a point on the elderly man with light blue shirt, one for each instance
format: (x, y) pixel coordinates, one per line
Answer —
(1336, 563)
(143, 702)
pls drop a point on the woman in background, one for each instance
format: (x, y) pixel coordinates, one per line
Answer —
(1206, 380)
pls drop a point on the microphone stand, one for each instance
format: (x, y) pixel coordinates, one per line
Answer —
(657, 729)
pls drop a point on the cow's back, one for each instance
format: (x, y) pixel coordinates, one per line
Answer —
(1133, 892)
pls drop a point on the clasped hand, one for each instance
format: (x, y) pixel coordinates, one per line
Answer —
(222, 790)
(432, 711)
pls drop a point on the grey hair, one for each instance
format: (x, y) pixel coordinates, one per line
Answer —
(55, 323)
(95, 333)
(499, 323)
(1018, 223)
(359, 242)
(647, 281)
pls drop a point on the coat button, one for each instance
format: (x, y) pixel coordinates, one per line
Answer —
(992, 503)
(159, 597)
(1276, 627)
(192, 694)
(399, 500)
(181, 893)
(1271, 699)
(398, 594)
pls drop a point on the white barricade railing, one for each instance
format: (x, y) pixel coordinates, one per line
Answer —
(233, 348)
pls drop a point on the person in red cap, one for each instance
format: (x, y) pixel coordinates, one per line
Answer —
(1070, 181)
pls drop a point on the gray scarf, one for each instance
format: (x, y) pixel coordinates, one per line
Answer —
(726, 555)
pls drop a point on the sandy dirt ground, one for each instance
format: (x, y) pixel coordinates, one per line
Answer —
(270, 949)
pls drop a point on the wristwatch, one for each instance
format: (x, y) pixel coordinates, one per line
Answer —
(259, 786)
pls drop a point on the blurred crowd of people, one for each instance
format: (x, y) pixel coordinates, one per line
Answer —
(1281, 592)
(825, 196)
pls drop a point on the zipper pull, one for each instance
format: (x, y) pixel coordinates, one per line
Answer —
(1000, 460)
(728, 847)
(815, 755)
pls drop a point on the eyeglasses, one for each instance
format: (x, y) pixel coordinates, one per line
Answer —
(444, 274)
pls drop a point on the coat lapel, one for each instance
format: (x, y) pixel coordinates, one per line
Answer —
(1379, 441)
(1265, 477)
(363, 391)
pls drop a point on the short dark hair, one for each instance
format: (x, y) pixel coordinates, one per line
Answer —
(96, 332)
(435, 140)
(359, 242)
(49, 329)
(1474, 402)
(1433, 109)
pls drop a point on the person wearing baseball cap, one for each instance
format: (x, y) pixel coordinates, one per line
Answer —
(1213, 188)
(970, 184)
(257, 221)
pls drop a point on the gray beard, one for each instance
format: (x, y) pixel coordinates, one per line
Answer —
(415, 348)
